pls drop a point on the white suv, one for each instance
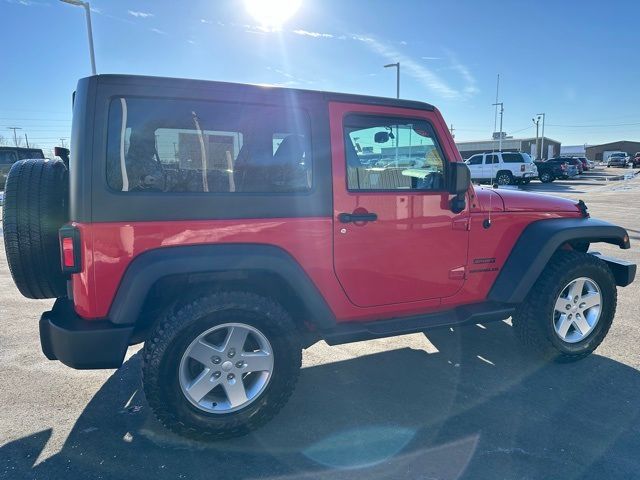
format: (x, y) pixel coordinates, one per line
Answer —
(502, 167)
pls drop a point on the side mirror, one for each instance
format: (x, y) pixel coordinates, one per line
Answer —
(381, 137)
(459, 181)
(459, 178)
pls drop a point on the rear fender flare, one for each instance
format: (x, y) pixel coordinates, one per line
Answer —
(151, 266)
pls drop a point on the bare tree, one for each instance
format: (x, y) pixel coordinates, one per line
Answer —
(3, 140)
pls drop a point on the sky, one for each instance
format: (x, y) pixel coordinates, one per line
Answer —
(576, 61)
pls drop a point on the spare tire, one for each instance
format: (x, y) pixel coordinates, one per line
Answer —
(35, 207)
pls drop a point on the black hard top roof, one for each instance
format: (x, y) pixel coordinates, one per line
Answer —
(242, 87)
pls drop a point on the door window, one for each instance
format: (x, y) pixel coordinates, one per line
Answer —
(475, 160)
(392, 154)
(491, 158)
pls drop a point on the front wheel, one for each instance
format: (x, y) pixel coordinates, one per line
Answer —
(570, 308)
(222, 365)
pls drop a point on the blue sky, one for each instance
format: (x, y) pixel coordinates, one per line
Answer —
(578, 61)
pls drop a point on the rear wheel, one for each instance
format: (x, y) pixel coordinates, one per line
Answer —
(570, 308)
(35, 207)
(546, 177)
(222, 365)
(504, 178)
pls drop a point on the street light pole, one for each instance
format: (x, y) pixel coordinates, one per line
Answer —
(397, 66)
(87, 11)
(537, 122)
(542, 146)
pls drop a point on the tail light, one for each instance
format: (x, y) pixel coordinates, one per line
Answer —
(70, 249)
(522, 167)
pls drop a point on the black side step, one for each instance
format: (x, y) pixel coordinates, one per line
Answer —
(467, 314)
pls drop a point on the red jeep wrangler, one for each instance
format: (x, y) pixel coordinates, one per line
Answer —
(230, 226)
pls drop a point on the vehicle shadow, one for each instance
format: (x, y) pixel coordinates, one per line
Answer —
(476, 408)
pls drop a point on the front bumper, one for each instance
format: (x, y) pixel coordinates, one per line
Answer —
(624, 272)
(80, 343)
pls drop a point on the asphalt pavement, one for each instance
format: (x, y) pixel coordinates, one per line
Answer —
(462, 403)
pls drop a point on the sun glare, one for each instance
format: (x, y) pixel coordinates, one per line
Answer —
(272, 13)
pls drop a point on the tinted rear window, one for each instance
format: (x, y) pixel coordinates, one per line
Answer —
(512, 158)
(7, 158)
(169, 145)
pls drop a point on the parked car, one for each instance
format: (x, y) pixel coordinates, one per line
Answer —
(585, 163)
(230, 226)
(618, 159)
(636, 160)
(552, 169)
(571, 161)
(567, 172)
(503, 167)
(10, 155)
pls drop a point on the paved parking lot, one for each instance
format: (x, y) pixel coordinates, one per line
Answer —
(456, 404)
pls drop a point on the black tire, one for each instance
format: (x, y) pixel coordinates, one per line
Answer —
(504, 178)
(169, 340)
(35, 207)
(533, 320)
(546, 177)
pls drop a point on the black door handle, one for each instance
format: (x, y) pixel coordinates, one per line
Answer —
(357, 217)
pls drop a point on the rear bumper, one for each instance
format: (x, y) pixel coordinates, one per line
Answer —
(79, 343)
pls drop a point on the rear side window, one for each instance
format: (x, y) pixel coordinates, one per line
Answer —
(179, 146)
(489, 159)
(512, 158)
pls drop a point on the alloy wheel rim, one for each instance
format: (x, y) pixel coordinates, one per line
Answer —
(577, 310)
(226, 368)
(504, 179)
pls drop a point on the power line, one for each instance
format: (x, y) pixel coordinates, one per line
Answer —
(594, 126)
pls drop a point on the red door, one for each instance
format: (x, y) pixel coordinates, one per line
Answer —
(395, 237)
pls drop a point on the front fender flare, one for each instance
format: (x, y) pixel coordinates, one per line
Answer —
(537, 244)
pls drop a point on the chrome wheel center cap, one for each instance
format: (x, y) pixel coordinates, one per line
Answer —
(227, 366)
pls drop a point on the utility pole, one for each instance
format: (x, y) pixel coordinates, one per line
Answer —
(15, 138)
(542, 145)
(397, 66)
(26, 139)
(451, 129)
(536, 121)
(501, 105)
(62, 140)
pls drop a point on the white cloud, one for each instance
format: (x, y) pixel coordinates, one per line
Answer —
(135, 13)
(158, 31)
(28, 3)
(307, 33)
(430, 58)
(402, 42)
(202, 20)
(470, 87)
(425, 76)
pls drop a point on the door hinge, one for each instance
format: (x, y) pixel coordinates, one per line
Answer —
(460, 224)
(459, 273)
